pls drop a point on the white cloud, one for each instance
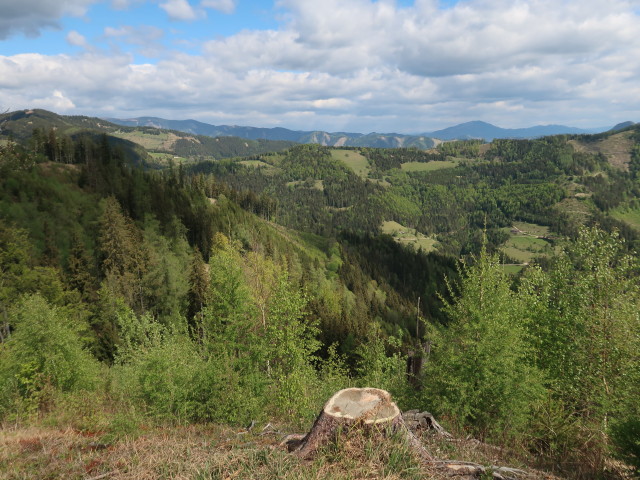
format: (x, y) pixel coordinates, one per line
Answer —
(76, 39)
(56, 101)
(179, 10)
(360, 65)
(29, 17)
(146, 38)
(124, 4)
(224, 6)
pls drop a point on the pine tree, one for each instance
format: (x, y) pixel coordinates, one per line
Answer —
(198, 290)
(79, 269)
(480, 368)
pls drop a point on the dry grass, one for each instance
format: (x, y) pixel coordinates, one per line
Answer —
(617, 148)
(213, 451)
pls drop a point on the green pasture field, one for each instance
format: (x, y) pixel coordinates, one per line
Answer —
(160, 141)
(354, 160)
(428, 166)
(532, 228)
(628, 215)
(523, 248)
(407, 236)
(512, 269)
(317, 184)
(255, 163)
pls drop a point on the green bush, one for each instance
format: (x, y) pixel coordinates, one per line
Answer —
(44, 354)
(626, 438)
(160, 377)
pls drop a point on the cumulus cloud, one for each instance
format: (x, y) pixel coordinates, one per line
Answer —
(29, 17)
(224, 6)
(363, 65)
(146, 38)
(78, 40)
(179, 10)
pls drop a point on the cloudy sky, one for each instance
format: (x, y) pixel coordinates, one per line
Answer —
(402, 66)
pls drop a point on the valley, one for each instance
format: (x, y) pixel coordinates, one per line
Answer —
(197, 283)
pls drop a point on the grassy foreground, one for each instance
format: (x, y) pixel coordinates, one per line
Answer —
(215, 451)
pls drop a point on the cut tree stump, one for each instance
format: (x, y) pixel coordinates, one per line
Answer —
(372, 408)
(365, 408)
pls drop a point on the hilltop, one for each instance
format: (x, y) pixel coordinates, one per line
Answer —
(162, 145)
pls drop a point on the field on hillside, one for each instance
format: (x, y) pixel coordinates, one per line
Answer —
(408, 236)
(628, 215)
(428, 166)
(524, 244)
(354, 160)
(255, 163)
(616, 148)
(580, 209)
(532, 229)
(160, 141)
(317, 184)
(164, 159)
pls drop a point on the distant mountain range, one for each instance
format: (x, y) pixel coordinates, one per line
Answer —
(464, 131)
(336, 139)
(486, 131)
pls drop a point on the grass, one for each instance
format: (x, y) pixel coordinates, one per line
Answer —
(576, 208)
(512, 269)
(523, 247)
(165, 158)
(428, 166)
(217, 452)
(354, 160)
(408, 236)
(616, 148)
(255, 163)
(161, 141)
(628, 215)
(317, 184)
(532, 228)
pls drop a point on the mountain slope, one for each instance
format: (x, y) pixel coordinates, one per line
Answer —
(21, 124)
(487, 131)
(334, 139)
(463, 131)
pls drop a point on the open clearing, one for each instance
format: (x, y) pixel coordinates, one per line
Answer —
(616, 148)
(523, 248)
(407, 236)
(628, 215)
(428, 166)
(161, 141)
(354, 160)
(532, 229)
(576, 207)
(255, 163)
(165, 158)
(317, 184)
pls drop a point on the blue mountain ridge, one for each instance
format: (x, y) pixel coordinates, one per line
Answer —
(464, 131)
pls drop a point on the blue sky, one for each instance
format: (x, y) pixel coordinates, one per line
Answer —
(360, 65)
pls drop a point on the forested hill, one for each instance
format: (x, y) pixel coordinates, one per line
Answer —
(161, 145)
(464, 131)
(378, 140)
(252, 288)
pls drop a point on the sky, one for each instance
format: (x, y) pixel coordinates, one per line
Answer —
(405, 66)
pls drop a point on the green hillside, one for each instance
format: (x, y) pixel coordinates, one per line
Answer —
(138, 303)
(20, 125)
